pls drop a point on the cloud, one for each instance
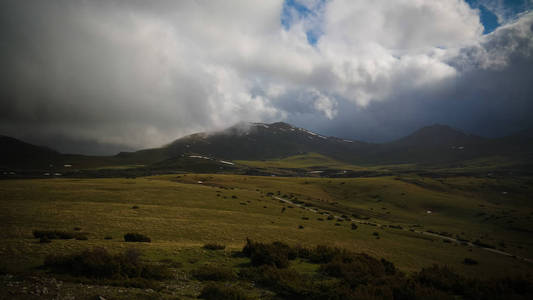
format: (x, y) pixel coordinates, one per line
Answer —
(131, 75)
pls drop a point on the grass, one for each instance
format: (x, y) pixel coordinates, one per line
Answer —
(181, 215)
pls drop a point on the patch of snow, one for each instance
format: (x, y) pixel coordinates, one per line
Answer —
(57, 174)
(429, 212)
(348, 141)
(315, 172)
(198, 156)
(67, 166)
(226, 162)
(200, 182)
(312, 133)
(261, 125)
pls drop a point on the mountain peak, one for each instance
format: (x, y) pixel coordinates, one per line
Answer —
(438, 135)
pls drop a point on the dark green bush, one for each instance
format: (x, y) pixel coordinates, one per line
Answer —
(287, 283)
(44, 240)
(98, 263)
(470, 261)
(354, 226)
(214, 273)
(214, 291)
(214, 246)
(53, 234)
(136, 237)
(275, 254)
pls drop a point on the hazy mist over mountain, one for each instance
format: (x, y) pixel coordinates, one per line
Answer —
(99, 77)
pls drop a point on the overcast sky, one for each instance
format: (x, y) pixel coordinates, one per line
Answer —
(99, 77)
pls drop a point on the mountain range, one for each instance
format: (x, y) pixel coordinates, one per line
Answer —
(260, 141)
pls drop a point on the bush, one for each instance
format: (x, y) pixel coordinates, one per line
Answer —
(470, 261)
(81, 237)
(58, 234)
(222, 292)
(136, 237)
(287, 283)
(53, 234)
(98, 263)
(214, 273)
(44, 240)
(354, 226)
(214, 246)
(275, 254)
(323, 254)
(356, 269)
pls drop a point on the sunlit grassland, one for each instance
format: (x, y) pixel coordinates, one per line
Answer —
(314, 161)
(182, 212)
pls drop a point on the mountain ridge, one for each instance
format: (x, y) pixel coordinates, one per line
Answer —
(435, 143)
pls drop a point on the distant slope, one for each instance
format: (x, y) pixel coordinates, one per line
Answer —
(14, 152)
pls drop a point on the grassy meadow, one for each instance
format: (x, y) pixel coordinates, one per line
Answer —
(183, 212)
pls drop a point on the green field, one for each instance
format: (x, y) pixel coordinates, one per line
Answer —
(180, 213)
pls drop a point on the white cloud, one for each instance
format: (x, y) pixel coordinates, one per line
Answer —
(325, 105)
(142, 74)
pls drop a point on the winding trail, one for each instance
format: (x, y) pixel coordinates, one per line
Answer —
(416, 231)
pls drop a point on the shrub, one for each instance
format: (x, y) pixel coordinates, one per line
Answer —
(356, 269)
(81, 237)
(441, 278)
(287, 283)
(53, 234)
(354, 226)
(214, 273)
(215, 291)
(330, 217)
(470, 261)
(44, 240)
(275, 254)
(300, 227)
(136, 237)
(135, 207)
(108, 237)
(98, 263)
(323, 254)
(214, 246)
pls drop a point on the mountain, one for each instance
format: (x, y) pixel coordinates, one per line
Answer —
(14, 152)
(256, 141)
(260, 141)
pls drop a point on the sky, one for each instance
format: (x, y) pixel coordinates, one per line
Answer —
(99, 77)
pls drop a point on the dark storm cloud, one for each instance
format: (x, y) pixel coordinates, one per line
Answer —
(104, 76)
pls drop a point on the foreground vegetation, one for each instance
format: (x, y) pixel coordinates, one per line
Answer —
(191, 230)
